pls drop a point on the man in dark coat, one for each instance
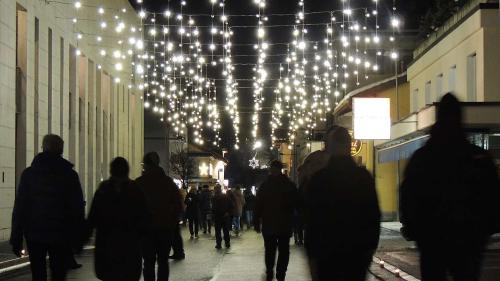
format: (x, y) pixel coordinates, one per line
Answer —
(249, 206)
(222, 207)
(206, 209)
(164, 203)
(48, 211)
(449, 199)
(275, 205)
(120, 217)
(343, 215)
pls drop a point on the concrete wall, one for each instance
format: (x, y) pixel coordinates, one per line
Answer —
(479, 34)
(111, 115)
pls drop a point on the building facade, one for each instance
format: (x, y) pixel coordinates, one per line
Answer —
(461, 57)
(53, 79)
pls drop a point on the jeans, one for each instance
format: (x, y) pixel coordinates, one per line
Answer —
(249, 218)
(236, 223)
(282, 244)
(194, 224)
(58, 258)
(156, 248)
(206, 222)
(222, 225)
(177, 244)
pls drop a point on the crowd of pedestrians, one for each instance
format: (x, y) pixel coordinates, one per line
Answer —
(447, 206)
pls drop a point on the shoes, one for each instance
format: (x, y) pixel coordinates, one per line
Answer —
(228, 245)
(204, 232)
(177, 257)
(191, 237)
(218, 247)
(196, 236)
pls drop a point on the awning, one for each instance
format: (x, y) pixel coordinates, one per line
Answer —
(401, 151)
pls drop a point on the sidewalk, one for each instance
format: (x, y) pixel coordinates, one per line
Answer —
(394, 249)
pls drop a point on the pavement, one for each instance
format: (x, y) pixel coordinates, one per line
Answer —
(244, 261)
(394, 249)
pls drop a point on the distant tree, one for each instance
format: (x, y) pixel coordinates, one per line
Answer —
(181, 165)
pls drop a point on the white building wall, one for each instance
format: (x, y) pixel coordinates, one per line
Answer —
(57, 16)
(480, 35)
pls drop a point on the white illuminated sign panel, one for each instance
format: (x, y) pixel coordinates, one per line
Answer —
(371, 118)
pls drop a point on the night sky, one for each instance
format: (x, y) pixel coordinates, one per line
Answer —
(244, 53)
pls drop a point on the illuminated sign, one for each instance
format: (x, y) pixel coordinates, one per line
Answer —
(371, 118)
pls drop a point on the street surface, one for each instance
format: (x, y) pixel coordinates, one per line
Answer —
(244, 261)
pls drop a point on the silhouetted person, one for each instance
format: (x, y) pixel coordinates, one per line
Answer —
(343, 215)
(164, 205)
(222, 207)
(206, 209)
(119, 216)
(177, 242)
(275, 205)
(249, 206)
(192, 202)
(449, 199)
(48, 212)
(239, 202)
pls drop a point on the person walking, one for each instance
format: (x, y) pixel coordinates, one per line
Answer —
(164, 205)
(275, 205)
(120, 217)
(449, 199)
(239, 202)
(222, 208)
(48, 212)
(177, 242)
(249, 206)
(192, 202)
(343, 215)
(206, 209)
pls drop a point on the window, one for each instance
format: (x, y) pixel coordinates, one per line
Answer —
(428, 93)
(452, 78)
(49, 93)
(439, 87)
(61, 86)
(471, 78)
(37, 80)
(414, 101)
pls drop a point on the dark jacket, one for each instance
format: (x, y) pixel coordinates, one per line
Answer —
(450, 192)
(49, 206)
(249, 201)
(238, 202)
(206, 201)
(342, 211)
(222, 206)
(120, 217)
(275, 205)
(192, 202)
(162, 198)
